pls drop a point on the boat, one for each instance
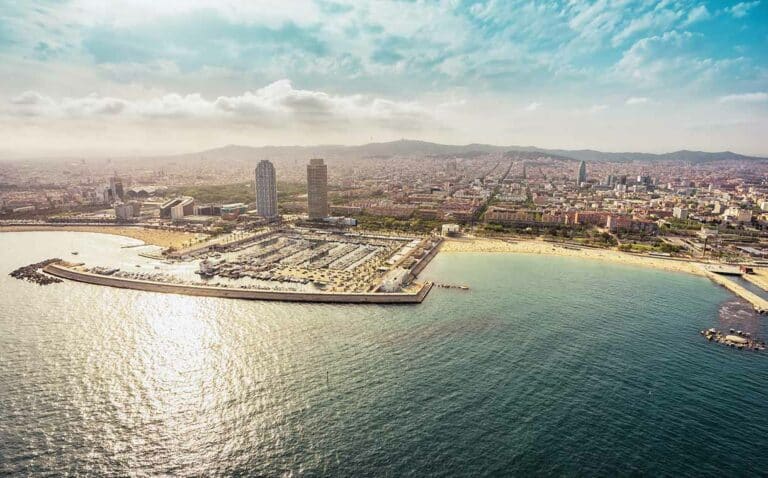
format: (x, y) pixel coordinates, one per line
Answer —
(74, 253)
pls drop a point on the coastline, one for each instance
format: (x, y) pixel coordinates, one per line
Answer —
(155, 237)
(532, 246)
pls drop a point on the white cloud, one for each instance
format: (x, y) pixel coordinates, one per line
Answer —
(669, 59)
(758, 97)
(741, 9)
(533, 106)
(275, 103)
(657, 19)
(637, 100)
(597, 108)
(697, 14)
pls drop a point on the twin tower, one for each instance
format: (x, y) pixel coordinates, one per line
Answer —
(317, 189)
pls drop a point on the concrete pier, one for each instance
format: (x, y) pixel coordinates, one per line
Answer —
(61, 270)
(760, 304)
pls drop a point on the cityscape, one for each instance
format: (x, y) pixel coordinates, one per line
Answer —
(384, 238)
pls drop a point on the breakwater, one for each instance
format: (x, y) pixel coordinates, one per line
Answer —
(759, 304)
(31, 273)
(424, 261)
(61, 270)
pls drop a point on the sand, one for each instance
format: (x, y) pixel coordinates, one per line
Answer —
(157, 237)
(471, 244)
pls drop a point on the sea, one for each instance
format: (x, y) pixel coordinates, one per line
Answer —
(546, 366)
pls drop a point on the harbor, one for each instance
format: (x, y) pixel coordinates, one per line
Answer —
(289, 264)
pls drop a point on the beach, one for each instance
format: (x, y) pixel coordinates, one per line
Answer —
(157, 237)
(528, 246)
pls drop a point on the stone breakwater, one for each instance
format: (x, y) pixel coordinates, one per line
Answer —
(758, 303)
(64, 271)
(31, 273)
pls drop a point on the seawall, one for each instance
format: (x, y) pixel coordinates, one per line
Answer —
(424, 261)
(760, 304)
(61, 271)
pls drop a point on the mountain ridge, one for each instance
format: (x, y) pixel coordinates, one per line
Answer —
(410, 147)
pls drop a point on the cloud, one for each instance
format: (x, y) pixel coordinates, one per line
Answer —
(533, 106)
(740, 10)
(637, 100)
(697, 14)
(274, 104)
(31, 98)
(657, 19)
(745, 98)
(671, 60)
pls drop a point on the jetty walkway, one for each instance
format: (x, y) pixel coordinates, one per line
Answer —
(760, 304)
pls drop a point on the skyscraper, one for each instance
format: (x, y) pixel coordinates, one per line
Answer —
(317, 189)
(582, 178)
(266, 189)
(116, 188)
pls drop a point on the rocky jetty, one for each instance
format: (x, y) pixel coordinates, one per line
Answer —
(32, 273)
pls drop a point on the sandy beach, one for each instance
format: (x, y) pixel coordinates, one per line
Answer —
(157, 237)
(463, 245)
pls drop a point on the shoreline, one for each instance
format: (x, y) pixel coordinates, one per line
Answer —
(155, 237)
(533, 246)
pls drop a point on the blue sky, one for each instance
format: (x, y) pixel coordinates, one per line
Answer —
(125, 77)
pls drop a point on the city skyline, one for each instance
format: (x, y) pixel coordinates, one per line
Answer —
(649, 77)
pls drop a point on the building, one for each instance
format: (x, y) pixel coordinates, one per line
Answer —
(127, 210)
(115, 191)
(177, 208)
(233, 209)
(450, 230)
(266, 189)
(207, 210)
(680, 213)
(582, 176)
(736, 214)
(317, 189)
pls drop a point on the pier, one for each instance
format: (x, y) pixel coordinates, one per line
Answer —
(67, 271)
(759, 304)
(452, 286)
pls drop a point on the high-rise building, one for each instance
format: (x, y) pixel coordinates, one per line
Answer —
(317, 189)
(114, 193)
(266, 189)
(582, 177)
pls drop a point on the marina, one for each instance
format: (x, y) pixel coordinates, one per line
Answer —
(292, 264)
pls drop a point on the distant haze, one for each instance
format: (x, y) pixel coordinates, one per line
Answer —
(249, 155)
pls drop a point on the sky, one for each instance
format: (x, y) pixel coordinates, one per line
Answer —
(138, 77)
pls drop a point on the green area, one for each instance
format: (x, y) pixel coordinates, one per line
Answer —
(657, 246)
(237, 192)
(423, 226)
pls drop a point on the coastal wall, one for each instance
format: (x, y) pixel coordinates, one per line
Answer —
(59, 270)
(425, 260)
(760, 304)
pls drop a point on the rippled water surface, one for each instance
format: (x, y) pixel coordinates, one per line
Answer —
(547, 366)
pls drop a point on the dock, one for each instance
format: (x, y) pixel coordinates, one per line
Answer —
(759, 304)
(72, 272)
